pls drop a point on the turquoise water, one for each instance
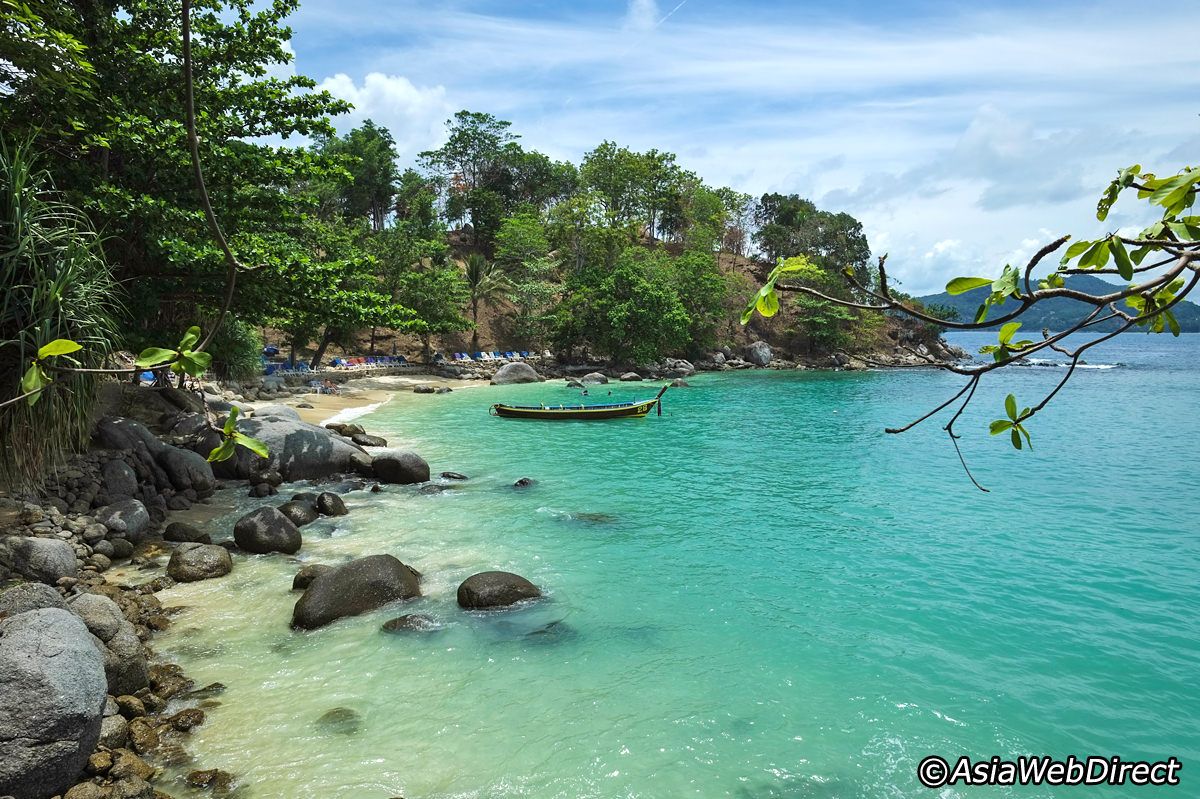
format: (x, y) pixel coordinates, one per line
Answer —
(758, 594)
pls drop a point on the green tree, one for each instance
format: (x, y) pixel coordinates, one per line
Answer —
(486, 283)
(522, 238)
(436, 295)
(368, 153)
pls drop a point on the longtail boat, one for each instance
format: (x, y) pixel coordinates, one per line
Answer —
(616, 410)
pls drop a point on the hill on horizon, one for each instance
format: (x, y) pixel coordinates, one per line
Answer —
(1058, 313)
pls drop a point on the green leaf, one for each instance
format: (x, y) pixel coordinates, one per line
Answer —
(1172, 323)
(768, 303)
(231, 422)
(1075, 250)
(1025, 433)
(1016, 438)
(60, 346)
(999, 426)
(1010, 407)
(153, 356)
(189, 338)
(1121, 256)
(1053, 281)
(34, 380)
(981, 312)
(222, 452)
(1096, 256)
(961, 285)
(252, 444)
(193, 363)
(749, 312)
(1007, 331)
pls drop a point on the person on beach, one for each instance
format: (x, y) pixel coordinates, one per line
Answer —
(330, 386)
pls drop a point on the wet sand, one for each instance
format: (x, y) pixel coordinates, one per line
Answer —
(363, 395)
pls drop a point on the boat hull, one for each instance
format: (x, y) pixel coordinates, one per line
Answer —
(632, 410)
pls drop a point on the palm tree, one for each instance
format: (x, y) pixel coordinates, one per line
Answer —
(486, 282)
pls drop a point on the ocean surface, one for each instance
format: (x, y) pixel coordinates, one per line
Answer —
(759, 594)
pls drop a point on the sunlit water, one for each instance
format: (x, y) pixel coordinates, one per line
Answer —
(759, 594)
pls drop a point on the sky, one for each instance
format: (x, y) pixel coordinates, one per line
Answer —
(962, 135)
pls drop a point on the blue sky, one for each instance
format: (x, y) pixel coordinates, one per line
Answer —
(963, 136)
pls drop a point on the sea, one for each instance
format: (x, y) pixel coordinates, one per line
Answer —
(758, 594)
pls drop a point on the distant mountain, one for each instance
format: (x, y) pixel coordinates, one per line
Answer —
(1060, 312)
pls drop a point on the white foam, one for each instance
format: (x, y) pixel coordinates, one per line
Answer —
(350, 414)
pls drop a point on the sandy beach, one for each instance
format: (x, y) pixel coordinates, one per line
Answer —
(363, 395)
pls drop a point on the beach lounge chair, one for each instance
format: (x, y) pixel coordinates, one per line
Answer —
(496, 356)
(524, 355)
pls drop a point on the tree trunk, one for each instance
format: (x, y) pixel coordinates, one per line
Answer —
(326, 339)
(475, 321)
(426, 348)
(371, 349)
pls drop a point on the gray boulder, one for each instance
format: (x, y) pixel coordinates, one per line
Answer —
(119, 479)
(125, 664)
(307, 574)
(400, 466)
(46, 560)
(631, 377)
(368, 440)
(102, 616)
(129, 516)
(267, 530)
(190, 563)
(29, 596)
(495, 590)
(300, 451)
(330, 504)
(278, 411)
(299, 512)
(759, 353)
(51, 702)
(181, 532)
(356, 587)
(592, 378)
(515, 372)
(187, 469)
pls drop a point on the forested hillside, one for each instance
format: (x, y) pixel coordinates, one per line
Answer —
(1059, 313)
(481, 242)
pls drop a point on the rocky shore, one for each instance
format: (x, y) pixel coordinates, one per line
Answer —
(89, 711)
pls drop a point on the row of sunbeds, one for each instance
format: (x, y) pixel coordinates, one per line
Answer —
(487, 357)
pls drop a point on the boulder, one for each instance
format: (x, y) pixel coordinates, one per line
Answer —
(129, 516)
(307, 574)
(495, 590)
(631, 377)
(515, 372)
(190, 563)
(299, 512)
(593, 378)
(330, 504)
(46, 560)
(180, 532)
(410, 623)
(101, 615)
(453, 476)
(51, 702)
(300, 451)
(187, 469)
(29, 596)
(267, 530)
(356, 587)
(368, 440)
(573, 383)
(400, 466)
(305, 496)
(119, 479)
(759, 353)
(679, 382)
(423, 389)
(277, 411)
(525, 482)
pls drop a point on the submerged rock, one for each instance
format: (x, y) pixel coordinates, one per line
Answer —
(190, 563)
(495, 589)
(267, 530)
(52, 699)
(368, 440)
(400, 466)
(330, 504)
(453, 476)
(354, 588)
(339, 721)
(525, 482)
(299, 512)
(180, 532)
(307, 574)
(411, 623)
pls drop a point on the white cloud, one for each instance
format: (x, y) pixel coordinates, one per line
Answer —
(415, 115)
(642, 15)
